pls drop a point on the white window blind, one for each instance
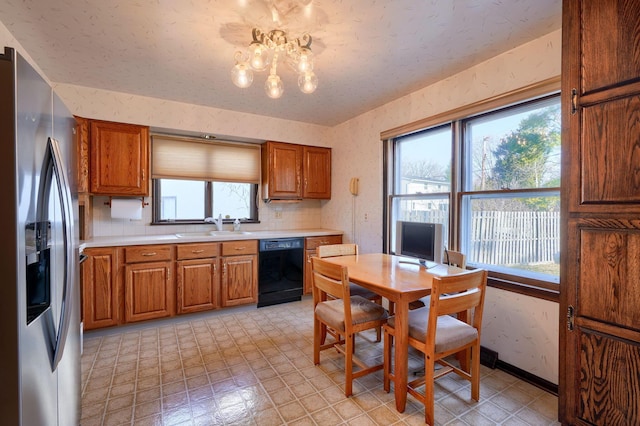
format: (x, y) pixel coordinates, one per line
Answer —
(193, 159)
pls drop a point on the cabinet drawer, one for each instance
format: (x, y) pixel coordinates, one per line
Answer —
(311, 243)
(232, 248)
(147, 253)
(197, 251)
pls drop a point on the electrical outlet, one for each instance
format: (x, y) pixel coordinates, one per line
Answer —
(278, 214)
(366, 217)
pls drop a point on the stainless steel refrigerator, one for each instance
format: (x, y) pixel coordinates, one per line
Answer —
(39, 290)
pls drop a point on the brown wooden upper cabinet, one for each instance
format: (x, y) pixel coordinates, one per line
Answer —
(294, 172)
(316, 172)
(119, 159)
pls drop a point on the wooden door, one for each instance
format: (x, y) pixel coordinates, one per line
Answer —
(316, 170)
(148, 291)
(239, 280)
(600, 260)
(197, 285)
(100, 296)
(119, 159)
(282, 170)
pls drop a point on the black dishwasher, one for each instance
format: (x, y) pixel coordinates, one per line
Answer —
(280, 271)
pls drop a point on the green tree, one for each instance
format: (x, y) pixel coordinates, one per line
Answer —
(523, 156)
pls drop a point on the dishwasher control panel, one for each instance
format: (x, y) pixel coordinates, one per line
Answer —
(281, 244)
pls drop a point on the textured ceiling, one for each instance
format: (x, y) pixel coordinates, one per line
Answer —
(368, 52)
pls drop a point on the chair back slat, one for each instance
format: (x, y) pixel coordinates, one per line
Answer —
(329, 278)
(456, 258)
(332, 250)
(459, 302)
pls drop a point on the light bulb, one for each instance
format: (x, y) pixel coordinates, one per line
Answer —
(241, 75)
(305, 60)
(259, 56)
(307, 82)
(273, 86)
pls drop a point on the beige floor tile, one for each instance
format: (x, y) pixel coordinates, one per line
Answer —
(247, 366)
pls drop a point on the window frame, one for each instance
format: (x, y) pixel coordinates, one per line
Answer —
(208, 206)
(539, 288)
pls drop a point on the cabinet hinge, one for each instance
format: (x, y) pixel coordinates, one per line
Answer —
(570, 317)
(574, 101)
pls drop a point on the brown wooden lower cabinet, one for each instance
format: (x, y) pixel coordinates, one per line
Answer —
(138, 283)
(310, 246)
(101, 300)
(197, 277)
(239, 283)
(148, 292)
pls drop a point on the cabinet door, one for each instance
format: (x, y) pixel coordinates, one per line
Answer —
(197, 285)
(100, 298)
(239, 280)
(282, 170)
(599, 380)
(316, 170)
(148, 291)
(119, 159)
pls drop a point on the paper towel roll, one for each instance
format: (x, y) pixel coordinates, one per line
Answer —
(126, 208)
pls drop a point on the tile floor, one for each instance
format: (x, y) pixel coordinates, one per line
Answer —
(248, 366)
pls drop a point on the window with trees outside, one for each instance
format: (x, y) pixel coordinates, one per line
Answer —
(493, 181)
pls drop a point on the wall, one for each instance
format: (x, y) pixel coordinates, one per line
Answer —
(531, 341)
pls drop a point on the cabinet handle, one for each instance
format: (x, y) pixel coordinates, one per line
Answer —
(239, 248)
(309, 259)
(153, 253)
(215, 269)
(197, 251)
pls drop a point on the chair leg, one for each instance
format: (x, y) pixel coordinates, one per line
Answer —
(348, 365)
(388, 344)
(475, 373)
(318, 329)
(429, 370)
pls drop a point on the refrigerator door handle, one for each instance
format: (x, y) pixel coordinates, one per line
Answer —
(53, 163)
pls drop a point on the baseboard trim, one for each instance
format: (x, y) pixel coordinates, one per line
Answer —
(490, 359)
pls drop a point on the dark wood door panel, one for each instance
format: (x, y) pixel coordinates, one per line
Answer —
(609, 380)
(610, 153)
(610, 276)
(609, 26)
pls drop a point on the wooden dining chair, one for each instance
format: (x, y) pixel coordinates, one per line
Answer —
(335, 307)
(332, 250)
(451, 258)
(437, 334)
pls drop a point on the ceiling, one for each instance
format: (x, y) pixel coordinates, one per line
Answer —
(368, 52)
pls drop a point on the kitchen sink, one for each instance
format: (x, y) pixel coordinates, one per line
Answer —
(211, 234)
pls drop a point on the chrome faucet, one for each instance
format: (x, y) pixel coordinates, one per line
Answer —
(217, 222)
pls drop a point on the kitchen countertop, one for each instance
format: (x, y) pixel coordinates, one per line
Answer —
(204, 236)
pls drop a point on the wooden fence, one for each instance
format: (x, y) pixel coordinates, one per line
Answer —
(506, 238)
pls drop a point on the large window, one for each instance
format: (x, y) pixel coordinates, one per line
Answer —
(511, 191)
(493, 180)
(194, 179)
(422, 178)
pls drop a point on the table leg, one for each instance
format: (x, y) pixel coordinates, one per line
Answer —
(401, 354)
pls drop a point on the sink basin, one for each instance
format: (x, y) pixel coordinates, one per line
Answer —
(195, 234)
(211, 234)
(225, 233)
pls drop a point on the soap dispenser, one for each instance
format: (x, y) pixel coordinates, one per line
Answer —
(236, 225)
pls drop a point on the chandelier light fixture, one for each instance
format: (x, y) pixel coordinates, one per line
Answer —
(265, 51)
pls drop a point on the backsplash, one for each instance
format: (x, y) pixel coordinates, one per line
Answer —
(273, 216)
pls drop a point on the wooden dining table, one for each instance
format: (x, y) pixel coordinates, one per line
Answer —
(401, 280)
